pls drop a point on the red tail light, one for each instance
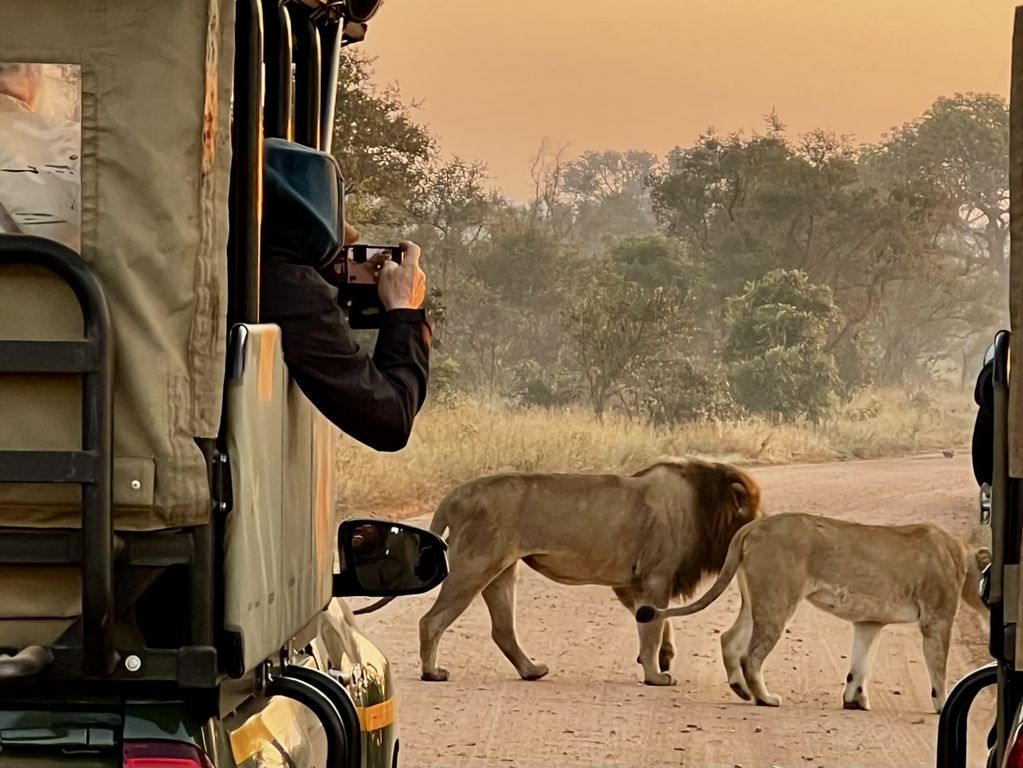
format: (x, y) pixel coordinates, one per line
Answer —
(1014, 757)
(164, 754)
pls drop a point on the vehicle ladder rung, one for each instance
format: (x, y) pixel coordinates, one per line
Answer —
(49, 356)
(48, 467)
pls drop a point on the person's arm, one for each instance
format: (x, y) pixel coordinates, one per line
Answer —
(374, 400)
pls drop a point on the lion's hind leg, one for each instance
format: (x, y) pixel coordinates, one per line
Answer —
(464, 582)
(865, 637)
(500, 599)
(937, 634)
(771, 607)
(734, 642)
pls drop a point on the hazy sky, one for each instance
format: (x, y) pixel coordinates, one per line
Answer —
(497, 77)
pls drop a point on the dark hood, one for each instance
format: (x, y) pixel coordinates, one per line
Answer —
(303, 204)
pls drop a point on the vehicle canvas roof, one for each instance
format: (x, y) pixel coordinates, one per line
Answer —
(156, 83)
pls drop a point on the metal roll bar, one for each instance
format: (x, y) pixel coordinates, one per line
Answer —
(92, 466)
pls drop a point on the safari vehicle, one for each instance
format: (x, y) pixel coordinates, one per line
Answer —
(169, 555)
(1002, 585)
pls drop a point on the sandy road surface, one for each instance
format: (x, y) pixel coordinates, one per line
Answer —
(593, 711)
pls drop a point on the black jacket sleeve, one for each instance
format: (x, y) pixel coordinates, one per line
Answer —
(374, 400)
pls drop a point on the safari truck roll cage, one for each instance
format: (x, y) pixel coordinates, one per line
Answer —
(91, 467)
(87, 650)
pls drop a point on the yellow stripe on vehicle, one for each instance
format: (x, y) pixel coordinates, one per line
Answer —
(378, 716)
(267, 358)
(250, 739)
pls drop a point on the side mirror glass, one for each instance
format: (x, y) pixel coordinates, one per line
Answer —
(384, 559)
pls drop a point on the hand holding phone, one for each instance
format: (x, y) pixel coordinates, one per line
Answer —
(403, 285)
(373, 279)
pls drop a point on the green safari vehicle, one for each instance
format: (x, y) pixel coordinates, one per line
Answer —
(172, 573)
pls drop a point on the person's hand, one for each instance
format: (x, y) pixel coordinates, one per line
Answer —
(403, 286)
(352, 235)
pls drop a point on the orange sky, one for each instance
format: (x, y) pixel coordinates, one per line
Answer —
(498, 76)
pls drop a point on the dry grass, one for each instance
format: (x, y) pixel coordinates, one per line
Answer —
(454, 444)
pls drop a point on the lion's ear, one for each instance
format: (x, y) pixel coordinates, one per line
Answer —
(983, 555)
(741, 496)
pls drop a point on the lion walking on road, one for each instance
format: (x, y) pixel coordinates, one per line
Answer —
(650, 537)
(869, 575)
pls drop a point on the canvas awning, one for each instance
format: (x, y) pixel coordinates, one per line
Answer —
(155, 106)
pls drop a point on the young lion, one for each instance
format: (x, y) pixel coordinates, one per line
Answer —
(869, 575)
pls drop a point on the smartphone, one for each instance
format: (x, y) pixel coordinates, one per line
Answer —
(355, 274)
(356, 264)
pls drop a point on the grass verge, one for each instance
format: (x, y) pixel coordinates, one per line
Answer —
(457, 443)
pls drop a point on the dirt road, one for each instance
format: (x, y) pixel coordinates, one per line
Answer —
(593, 711)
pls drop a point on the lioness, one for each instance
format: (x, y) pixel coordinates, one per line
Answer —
(649, 536)
(869, 575)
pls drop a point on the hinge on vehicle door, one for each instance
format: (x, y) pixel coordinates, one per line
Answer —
(223, 498)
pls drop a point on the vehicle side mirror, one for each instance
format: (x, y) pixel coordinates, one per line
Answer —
(385, 559)
(360, 10)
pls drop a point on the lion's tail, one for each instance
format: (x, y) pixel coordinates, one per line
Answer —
(438, 525)
(374, 606)
(732, 561)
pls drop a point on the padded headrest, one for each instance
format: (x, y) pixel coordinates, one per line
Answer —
(303, 203)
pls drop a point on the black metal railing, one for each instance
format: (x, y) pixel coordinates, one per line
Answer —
(92, 466)
(953, 724)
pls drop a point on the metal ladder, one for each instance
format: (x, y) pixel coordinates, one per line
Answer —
(91, 467)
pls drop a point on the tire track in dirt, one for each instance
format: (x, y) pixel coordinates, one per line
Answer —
(593, 711)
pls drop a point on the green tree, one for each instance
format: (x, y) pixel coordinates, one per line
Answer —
(617, 326)
(652, 261)
(609, 194)
(448, 210)
(954, 159)
(850, 219)
(383, 152)
(777, 332)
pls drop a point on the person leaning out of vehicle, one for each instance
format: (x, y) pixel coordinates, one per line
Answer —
(372, 398)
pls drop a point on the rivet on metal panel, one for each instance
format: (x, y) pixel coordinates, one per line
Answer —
(136, 485)
(133, 663)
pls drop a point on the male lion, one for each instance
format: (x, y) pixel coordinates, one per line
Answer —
(870, 575)
(650, 536)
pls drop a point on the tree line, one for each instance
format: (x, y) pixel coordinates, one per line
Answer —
(758, 272)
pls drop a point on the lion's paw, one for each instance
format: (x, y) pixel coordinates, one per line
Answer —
(740, 690)
(437, 675)
(769, 701)
(536, 672)
(857, 700)
(659, 679)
